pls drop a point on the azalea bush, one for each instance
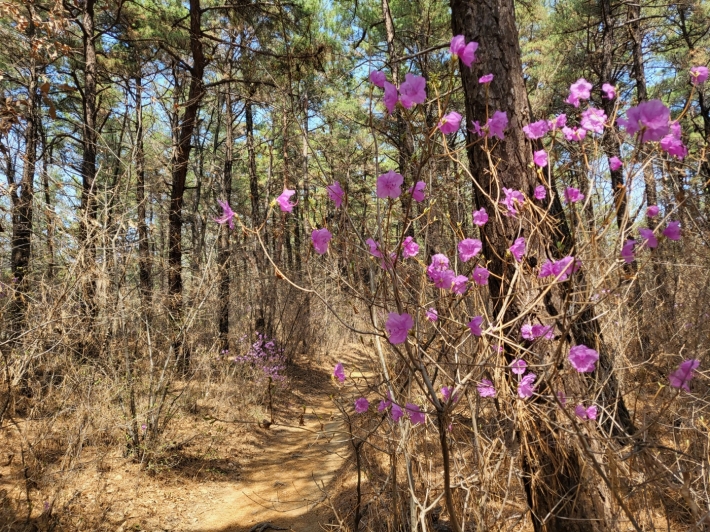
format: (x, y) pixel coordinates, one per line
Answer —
(480, 373)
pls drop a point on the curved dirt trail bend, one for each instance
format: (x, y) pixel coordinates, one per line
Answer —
(287, 485)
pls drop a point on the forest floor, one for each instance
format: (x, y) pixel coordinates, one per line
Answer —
(229, 477)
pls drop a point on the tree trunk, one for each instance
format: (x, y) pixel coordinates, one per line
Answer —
(144, 263)
(223, 253)
(181, 156)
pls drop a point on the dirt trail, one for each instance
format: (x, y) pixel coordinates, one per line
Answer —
(288, 483)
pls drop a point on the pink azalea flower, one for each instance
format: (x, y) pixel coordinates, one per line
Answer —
(540, 158)
(486, 79)
(439, 264)
(652, 211)
(398, 326)
(480, 217)
(320, 239)
(574, 134)
(518, 366)
(361, 405)
(560, 269)
(374, 248)
(336, 193)
(698, 75)
(536, 130)
(497, 124)
(457, 45)
(450, 123)
(582, 358)
(651, 118)
(417, 191)
(396, 412)
(572, 195)
(518, 248)
(444, 279)
(486, 389)
(586, 413)
(339, 372)
(432, 314)
(593, 120)
(465, 52)
(615, 163)
(526, 331)
(540, 192)
(458, 285)
(558, 122)
(409, 248)
(545, 331)
(526, 386)
(389, 185)
(227, 214)
(475, 325)
(672, 232)
(608, 91)
(627, 251)
(469, 248)
(579, 90)
(378, 78)
(681, 377)
(390, 97)
(446, 394)
(416, 416)
(412, 91)
(513, 199)
(674, 146)
(650, 239)
(480, 276)
(283, 200)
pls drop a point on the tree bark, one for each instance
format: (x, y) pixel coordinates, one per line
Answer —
(144, 263)
(223, 253)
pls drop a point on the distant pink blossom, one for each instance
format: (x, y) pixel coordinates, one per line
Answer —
(572, 195)
(651, 118)
(361, 405)
(698, 75)
(674, 146)
(615, 163)
(416, 416)
(540, 192)
(227, 214)
(378, 78)
(526, 331)
(398, 326)
(574, 134)
(432, 314)
(579, 90)
(652, 211)
(593, 120)
(513, 200)
(536, 130)
(450, 123)
(339, 372)
(469, 248)
(681, 377)
(627, 251)
(649, 238)
(560, 269)
(558, 122)
(459, 284)
(389, 185)
(486, 389)
(336, 193)
(494, 127)
(475, 325)
(390, 97)
(672, 231)
(518, 248)
(543, 331)
(412, 91)
(283, 200)
(526, 386)
(540, 158)
(396, 412)
(409, 248)
(417, 191)
(480, 276)
(465, 52)
(486, 79)
(608, 91)
(480, 217)
(586, 413)
(438, 267)
(320, 239)
(583, 358)
(518, 366)
(374, 248)
(446, 392)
